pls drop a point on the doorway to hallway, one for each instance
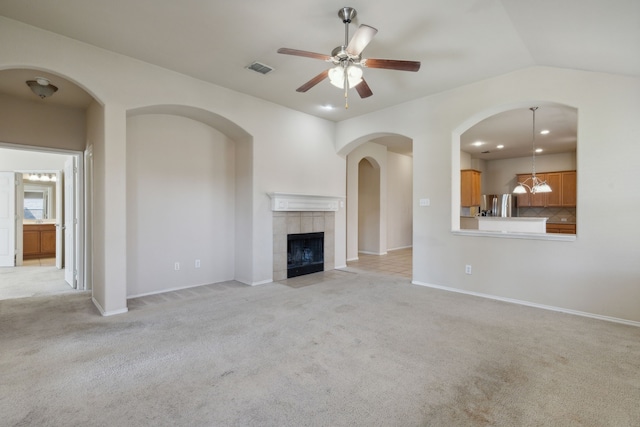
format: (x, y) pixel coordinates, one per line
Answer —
(35, 277)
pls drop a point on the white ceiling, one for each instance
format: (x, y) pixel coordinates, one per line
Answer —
(457, 41)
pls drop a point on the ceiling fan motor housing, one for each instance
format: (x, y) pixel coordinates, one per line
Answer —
(347, 14)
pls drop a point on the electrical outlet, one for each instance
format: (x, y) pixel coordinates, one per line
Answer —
(467, 269)
(176, 266)
(197, 263)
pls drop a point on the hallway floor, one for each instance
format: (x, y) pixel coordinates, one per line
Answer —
(34, 277)
(394, 263)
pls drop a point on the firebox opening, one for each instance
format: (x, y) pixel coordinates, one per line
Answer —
(305, 254)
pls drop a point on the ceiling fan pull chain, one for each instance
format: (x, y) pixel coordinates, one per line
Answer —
(346, 90)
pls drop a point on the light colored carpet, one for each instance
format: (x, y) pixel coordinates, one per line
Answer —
(353, 349)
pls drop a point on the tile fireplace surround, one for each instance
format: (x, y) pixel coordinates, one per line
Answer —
(292, 214)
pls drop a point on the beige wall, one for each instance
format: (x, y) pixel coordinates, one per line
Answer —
(597, 273)
(399, 201)
(369, 209)
(288, 151)
(292, 152)
(180, 204)
(42, 125)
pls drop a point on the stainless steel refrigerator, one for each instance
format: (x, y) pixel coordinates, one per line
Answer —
(503, 205)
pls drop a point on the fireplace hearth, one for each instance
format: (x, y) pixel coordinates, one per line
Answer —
(305, 253)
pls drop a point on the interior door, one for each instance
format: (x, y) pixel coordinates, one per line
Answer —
(59, 220)
(19, 197)
(7, 219)
(69, 222)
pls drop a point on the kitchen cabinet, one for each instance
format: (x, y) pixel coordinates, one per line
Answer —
(563, 194)
(527, 199)
(561, 228)
(554, 179)
(470, 187)
(569, 188)
(38, 241)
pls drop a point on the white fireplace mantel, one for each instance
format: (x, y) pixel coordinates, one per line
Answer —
(304, 202)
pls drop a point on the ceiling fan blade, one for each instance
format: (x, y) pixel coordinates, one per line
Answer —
(314, 81)
(361, 39)
(391, 64)
(296, 52)
(363, 89)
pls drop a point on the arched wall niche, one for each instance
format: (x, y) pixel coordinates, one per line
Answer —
(189, 174)
(216, 121)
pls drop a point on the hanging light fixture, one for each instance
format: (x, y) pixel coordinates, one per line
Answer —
(353, 74)
(536, 186)
(42, 87)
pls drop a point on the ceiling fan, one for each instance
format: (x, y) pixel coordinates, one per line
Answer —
(348, 61)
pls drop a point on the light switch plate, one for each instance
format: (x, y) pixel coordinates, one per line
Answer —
(425, 202)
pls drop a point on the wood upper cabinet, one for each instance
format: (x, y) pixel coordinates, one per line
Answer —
(554, 179)
(569, 188)
(528, 199)
(563, 190)
(470, 187)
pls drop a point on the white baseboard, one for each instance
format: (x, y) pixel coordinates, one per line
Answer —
(531, 304)
(340, 266)
(105, 313)
(372, 253)
(353, 259)
(262, 282)
(399, 248)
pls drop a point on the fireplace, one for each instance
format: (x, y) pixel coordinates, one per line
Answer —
(305, 253)
(303, 214)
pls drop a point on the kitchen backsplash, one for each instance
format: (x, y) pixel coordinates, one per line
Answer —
(554, 214)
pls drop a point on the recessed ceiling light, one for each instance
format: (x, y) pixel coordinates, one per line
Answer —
(500, 147)
(538, 150)
(478, 143)
(327, 107)
(544, 131)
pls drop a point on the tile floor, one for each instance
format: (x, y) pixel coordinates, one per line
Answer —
(43, 262)
(394, 263)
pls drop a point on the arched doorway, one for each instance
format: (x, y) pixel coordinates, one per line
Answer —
(380, 172)
(47, 135)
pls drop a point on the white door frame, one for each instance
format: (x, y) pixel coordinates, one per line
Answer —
(8, 219)
(79, 242)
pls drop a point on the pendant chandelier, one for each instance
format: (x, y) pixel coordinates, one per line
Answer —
(536, 185)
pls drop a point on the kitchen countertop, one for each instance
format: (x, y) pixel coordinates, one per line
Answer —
(512, 224)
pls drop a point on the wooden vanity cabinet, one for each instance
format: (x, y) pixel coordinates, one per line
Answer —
(38, 241)
(470, 187)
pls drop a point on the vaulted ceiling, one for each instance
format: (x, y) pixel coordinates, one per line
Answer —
(457, 41)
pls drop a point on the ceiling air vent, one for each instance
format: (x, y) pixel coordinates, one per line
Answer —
(260, 68)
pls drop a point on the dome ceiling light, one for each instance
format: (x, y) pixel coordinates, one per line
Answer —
(42, 87)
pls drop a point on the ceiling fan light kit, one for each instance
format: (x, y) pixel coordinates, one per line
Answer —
(347, 60)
